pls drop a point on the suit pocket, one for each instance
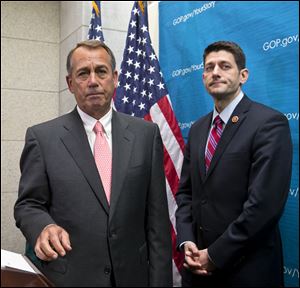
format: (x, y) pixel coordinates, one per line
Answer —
(59, 265)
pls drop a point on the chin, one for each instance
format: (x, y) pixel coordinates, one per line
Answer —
(217, 93)
(96, 101)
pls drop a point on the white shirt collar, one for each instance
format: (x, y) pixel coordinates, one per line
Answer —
(226, 113)
(89, 121)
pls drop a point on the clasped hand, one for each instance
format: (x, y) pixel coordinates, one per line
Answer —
(52, 241)
(197, 261)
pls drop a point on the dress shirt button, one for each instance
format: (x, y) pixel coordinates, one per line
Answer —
(107, 270)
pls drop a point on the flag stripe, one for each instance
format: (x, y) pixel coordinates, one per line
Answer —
(165, 106)
(170, 171)
(169, 182)
(172, 206)
(178, 256)
(176, 275)
(168, 138)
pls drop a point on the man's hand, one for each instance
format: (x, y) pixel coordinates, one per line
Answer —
(191, 256)
(206, 265)
(197, 261)
(52, 241)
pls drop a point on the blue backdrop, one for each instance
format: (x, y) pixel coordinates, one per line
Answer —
(268, 32)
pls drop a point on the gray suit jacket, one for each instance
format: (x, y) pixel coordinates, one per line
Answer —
(127, 242)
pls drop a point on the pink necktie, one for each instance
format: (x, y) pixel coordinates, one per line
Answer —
(103, 159)
(213, 140)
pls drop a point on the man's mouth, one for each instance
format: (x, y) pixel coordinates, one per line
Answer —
(94, 94)
(216, 83)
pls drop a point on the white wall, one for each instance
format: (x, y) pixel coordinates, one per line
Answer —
(29, 92)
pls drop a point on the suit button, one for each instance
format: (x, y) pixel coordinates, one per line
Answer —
(203, 201)
(200, 228)
(106, 270)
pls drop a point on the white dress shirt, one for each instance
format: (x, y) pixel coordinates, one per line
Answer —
(89, 122)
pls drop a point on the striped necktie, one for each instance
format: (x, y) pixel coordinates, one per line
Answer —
(213, 140)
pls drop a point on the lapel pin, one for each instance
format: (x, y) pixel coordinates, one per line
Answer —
(235, 119)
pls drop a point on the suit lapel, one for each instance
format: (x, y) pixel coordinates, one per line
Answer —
(229, 131)
(76, 142)
(122, 143)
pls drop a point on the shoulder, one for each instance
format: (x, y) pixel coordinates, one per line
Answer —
(263, 112)
(262, 107)
(53, 125)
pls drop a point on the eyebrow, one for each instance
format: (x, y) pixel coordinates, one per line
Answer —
(222, 62)
(101, 66)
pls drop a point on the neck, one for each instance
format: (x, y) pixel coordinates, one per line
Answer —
(222, 102)
(99, 113)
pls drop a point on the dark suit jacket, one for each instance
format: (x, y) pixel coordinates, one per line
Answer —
(234, 208)
(60, 184)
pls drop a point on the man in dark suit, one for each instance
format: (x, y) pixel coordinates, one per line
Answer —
(234, 183)
(81, 236)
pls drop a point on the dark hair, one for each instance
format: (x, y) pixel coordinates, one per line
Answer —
(91, 44)
(230, 47)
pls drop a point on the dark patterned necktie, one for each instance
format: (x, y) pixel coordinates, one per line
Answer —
(213, 140)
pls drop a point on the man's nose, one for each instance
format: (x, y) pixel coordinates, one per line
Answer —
(216, 70)
(93, 79)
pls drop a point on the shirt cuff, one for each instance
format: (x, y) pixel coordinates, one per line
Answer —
(210, 259)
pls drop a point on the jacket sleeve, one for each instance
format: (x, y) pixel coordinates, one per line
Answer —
(30, 210)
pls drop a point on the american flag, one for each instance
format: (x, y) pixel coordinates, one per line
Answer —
(95, 27)
(142, 93)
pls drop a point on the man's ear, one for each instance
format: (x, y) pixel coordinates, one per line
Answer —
(115, 76)
(69, 82)
(244, 74)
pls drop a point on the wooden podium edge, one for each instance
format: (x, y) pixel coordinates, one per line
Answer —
(38, 272)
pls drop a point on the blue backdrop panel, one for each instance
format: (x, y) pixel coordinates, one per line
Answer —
(268, 32)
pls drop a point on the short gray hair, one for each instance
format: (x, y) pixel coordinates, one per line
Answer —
(92, 44)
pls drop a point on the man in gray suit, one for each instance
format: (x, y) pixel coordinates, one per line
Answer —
(81, 237)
